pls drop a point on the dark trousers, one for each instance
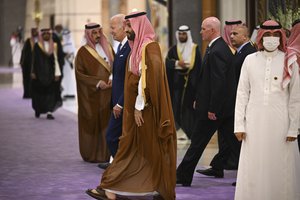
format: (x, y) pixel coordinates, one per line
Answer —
(114, 131)
(225, 151)
(203, 131)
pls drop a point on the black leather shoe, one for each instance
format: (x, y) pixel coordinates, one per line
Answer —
(49, 116)
(184, 184)
(211, 172)
(103, 165)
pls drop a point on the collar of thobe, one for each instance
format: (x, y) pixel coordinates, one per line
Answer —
(192, 58)
(270, 54)
(46, 50)
(94, 53)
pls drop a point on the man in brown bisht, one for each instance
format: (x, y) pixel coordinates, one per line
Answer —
(145, 163)
(92, 68)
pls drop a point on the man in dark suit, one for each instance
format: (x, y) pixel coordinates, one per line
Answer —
(114, 130)
(241, 42)
(214, 101)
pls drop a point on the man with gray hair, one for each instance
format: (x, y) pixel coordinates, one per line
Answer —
(114, 129)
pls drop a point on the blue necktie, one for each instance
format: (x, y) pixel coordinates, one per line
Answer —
(119, 47)
(206, 54)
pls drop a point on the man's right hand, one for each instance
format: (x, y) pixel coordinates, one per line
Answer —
(102, 85)
(182, 64)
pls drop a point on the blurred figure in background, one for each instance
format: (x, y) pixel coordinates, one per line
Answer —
(57, 38)
(45, 73)
(68, 82)
(183, 64)
(26, 61)
(16, 43)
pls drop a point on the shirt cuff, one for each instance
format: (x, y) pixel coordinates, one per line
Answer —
(239, 130)
(292, 133)
(139, 103)
(98, 84)
(119, 106)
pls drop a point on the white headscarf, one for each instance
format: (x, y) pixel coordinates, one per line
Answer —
(185, 48)
(67, 42)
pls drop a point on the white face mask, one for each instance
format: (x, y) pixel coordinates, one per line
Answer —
(271, 43)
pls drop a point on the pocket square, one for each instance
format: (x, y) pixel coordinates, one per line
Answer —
(121, 55)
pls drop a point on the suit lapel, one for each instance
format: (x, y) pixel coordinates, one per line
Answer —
(123, 49)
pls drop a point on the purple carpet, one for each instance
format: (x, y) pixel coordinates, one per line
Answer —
(39, 158)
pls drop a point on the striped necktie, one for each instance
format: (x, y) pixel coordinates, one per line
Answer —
(119, 47)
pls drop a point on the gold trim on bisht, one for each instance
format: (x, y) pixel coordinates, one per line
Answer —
(144, 68)
(98, 57)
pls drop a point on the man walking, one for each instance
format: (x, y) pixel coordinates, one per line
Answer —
(45, 74)
(145, 163)
(114, 130)
(241, 42)
(214, 101)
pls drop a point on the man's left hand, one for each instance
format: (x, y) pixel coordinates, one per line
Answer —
(138, 117)
(211, 116)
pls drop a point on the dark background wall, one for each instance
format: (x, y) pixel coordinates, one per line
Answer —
(12, 15)
(188, 13)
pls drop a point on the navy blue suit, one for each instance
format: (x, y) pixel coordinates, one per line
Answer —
(114, 129)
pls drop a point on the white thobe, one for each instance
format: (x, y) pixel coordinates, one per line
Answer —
(269, 166)
(68, 82)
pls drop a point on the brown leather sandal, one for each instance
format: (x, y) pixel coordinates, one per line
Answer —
(97, 194)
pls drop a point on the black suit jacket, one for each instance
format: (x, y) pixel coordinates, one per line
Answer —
(240, 56)
(217, 84)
